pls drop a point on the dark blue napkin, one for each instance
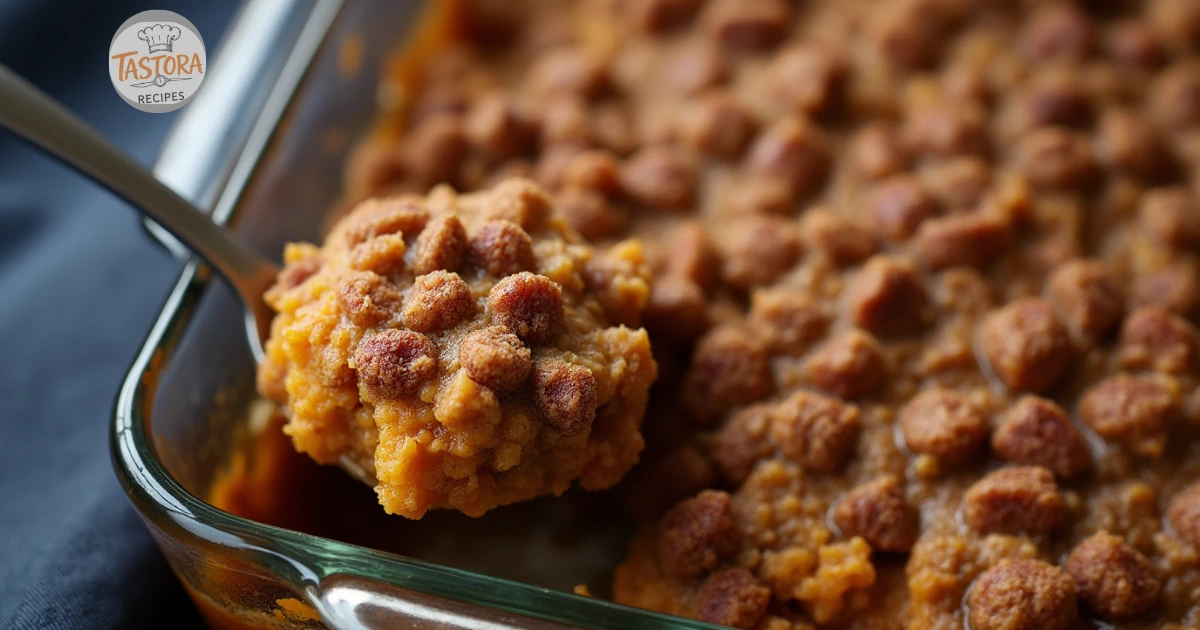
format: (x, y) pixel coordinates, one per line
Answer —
(80, 284)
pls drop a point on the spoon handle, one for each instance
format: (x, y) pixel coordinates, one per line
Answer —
(39, 119)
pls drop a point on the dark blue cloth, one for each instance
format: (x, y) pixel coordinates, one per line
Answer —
(80, 284)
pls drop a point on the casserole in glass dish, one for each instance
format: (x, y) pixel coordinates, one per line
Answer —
(920, 279)
(294, 83)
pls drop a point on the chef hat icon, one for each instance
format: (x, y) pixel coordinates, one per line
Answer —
(159, 37)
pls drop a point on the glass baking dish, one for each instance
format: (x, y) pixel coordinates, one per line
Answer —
(292, 85)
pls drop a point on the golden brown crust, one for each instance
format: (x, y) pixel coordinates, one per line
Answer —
(732, 597)
(1037, 432)
(1170, 216)
(1183, 513)
(809, 78)
(565, 394)
(1026, 345)
(717, 125)
(1023, 595)
(963, 240)
(1087, 295)
(876, 151)
(695, 534)
(899, 205)
(383, 255)
(498, 127)
(844, 241)
(595, 170)
(1015, 499)
(1114, 580)
(367, 298)
(590, 214)
(793, 148)
(1130, 143)
(878, 512)
(442, 245)
(729, 368)
(944, 424)
(393, 363)
(1155, 339)
(849, 365)
(887, 298)
(1175, 287)
(959, 184)
(529, 305)
(741, 443)
(438, 300)
(943, 129)
(1057, 158)
(814, 431)
(436, 149)
(404, 216)
(1053, 98)
(502, 247)
(694, 256)
(787, 320)
(758, 251)
(754, 24)
(564, 123)
(660, 179)
(569, 70)
(494, 357)
(520, 201)
(1130, 411)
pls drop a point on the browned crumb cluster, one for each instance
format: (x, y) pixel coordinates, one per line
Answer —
(462, 350)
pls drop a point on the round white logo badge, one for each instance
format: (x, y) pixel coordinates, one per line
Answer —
(157, 61)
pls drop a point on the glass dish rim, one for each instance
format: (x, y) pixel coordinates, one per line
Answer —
(302, 560)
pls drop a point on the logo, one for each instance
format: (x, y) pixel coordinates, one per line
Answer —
(157, 61)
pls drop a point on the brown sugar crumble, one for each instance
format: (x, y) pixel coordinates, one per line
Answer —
(1114, 580)
(921, 276)
(482, 369)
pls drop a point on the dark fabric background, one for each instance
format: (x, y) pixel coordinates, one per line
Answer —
(79, 286)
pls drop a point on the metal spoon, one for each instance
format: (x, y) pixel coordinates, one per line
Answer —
(37, 118)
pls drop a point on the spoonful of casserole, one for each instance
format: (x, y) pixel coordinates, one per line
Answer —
(450, 351)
